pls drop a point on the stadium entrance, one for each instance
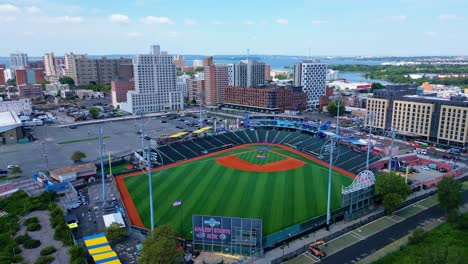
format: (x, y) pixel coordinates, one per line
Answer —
(229, 235)
(358, 195)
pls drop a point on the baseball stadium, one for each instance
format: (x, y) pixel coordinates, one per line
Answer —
(277, 175)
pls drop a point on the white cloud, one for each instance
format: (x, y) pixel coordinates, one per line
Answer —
(249, 22)
(190, 21)
(431, 34)
(157, 20)
(69, 19)
(448, 17)
(33, 10)
(216, 22)
(319, 22)
(6, 19)
(173, 34)
(396, 18)
(119, 18)
(9, 8)
(282, 21)
(73, 9)
(134, 34)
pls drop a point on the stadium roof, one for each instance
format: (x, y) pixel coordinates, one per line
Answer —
(178, 134)
(8, 121)
(201, 130)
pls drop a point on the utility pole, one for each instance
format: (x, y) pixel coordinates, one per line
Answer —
(371, 118)
(330, 169)
(102, 167)
(391, 151)
(338, 115)
(142, 133)
(150, 182)
(44, 153)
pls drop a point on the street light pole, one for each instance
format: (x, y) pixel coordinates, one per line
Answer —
(338, 115)
(102, 167)
(330, 169)
(371, 118)
(391, 151)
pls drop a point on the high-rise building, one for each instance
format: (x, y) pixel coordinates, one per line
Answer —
(119, 89)
(25, 76)
(216, 79)
(197, 90)
(21, 77)
(100, 71)
(179, 61)
(39, 75)
(69, 60)
(267, 72)
(311, 75)
(155, 84)
(248, 73)
(49, 64)
(197, 63)
(2, 77)
(182, 85)
(18, 60)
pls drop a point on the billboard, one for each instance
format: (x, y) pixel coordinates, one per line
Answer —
(227, 233)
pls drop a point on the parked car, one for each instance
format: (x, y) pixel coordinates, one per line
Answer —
(446, 156)
(3, 172)
(147, 137)
(425, 167)
(442, 170)
(163, 121)
(73, 127)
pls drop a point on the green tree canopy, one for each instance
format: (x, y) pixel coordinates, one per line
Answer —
(11, 82)
(78, 156)
(115, 232)
(199, 69)
(16, 170)
(450, 194)
(281, 76)
(376, 86)
(161, 248)
(67, 80)
(332, 108)
(393, 189)
(94, 112)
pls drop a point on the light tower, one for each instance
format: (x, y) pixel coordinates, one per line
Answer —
(103, 178)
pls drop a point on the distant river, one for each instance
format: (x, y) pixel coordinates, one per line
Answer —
(359, 77)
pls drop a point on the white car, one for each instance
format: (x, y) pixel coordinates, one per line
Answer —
(424, 167)
(12, 166)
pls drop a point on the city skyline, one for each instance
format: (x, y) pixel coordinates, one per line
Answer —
(207, 27)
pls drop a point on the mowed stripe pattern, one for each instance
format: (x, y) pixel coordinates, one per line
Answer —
(280, 199)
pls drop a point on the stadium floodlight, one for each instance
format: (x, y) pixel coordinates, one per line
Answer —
(328, 148)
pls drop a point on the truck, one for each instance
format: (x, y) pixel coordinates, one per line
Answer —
(314, 249)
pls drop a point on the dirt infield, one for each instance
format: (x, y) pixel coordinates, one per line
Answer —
(133, 212)
(234, 162)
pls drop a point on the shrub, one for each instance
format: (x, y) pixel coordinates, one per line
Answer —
(48, 250)
(45, 260)
(16, 258)
(31, 243)
(76, 254)
(22, 239)
(417, 236)
(33, 227)
(31, 220)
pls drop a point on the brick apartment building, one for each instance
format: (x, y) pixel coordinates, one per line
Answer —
(265, 99)
(119, 89)
(30, 90)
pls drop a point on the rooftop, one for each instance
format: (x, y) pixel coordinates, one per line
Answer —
(9, 120)
(74, 168)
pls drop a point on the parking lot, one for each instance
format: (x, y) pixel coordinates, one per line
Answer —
(120, 137)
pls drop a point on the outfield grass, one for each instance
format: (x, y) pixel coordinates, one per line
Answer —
(280, 199)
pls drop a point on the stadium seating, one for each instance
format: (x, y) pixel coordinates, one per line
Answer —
(243, 136)
(262, 134)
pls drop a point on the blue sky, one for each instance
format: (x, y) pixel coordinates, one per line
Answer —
(209, 27)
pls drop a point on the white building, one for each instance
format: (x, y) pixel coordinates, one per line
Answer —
(18, 60)
(70, 64)
(312, 76)
(49, 64)
(182, 85)
(9, 74)
(21, 106)
(155, 84)
(248, 73)
(197, 63)
(332, 75)
(57, 86)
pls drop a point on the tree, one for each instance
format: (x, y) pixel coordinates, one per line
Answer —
(161, 248)
(115, 232)
(332, 108)
(450, 194)
(16, 170)
(94, 112)
(393, 189)
(199, 69)
(77, 254)
(281, 76)
(67, 80)
(376, 86)
(11, 82)
(78, 156)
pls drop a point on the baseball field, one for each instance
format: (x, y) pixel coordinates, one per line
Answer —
(274, 183)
